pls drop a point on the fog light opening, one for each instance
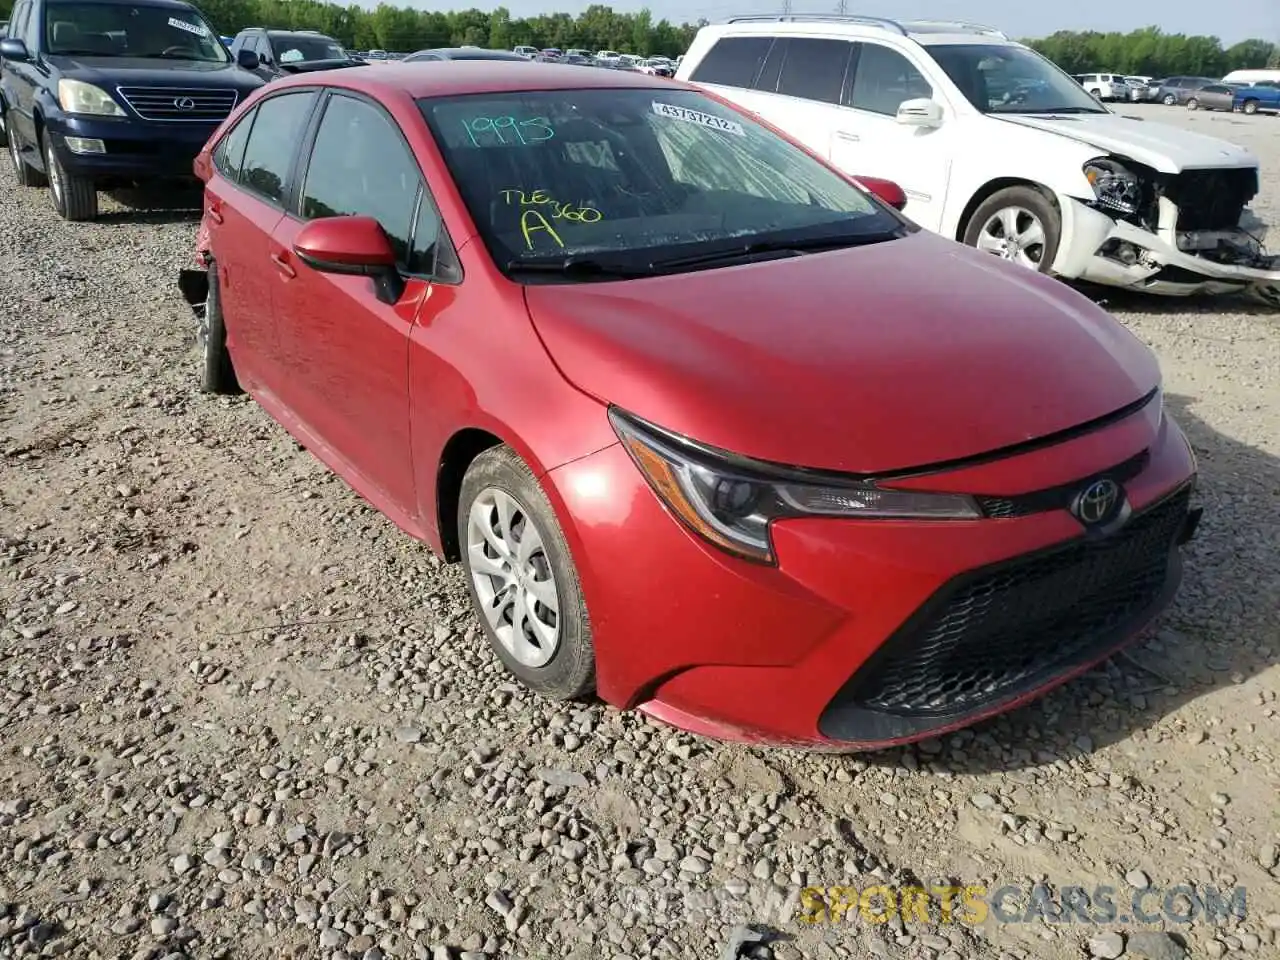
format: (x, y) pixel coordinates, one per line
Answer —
(1121, 251)
(85, 145)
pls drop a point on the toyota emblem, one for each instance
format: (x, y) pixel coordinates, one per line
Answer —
(184, 103)
(1098, 502)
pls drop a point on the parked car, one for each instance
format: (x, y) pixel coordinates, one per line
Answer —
(997, 147)
(461, 53)
(284, 52)
(579, 52)
(656, 68)
(1174, 91)
(637, 440)
(1248, 77)
(1139, 88)
(1213, 96)
(607, 57)
(98, 94)
(525, 51)
(1105, 86)
(377, 55)
(578, 60)
(1258, 97)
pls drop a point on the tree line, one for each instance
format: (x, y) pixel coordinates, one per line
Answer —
(1146, 52)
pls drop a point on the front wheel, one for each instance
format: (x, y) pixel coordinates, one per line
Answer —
(1193, 104)
(1169, 100)
(1017, 224)
(23, 172)
(522, 578)
(75, 198)
(1251, 107)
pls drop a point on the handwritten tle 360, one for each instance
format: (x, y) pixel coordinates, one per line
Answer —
(533, 220)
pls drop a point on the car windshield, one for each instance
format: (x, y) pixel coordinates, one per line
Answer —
(1006, 79)
(292, 48)
(130, 30)
(633, 178)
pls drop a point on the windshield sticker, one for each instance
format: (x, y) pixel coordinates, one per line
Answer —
(531, 222)
(574, 212)
(698, 117)
(195, 28)
(533, 130)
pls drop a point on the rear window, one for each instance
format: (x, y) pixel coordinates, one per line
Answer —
(636, 173)
(733, 61)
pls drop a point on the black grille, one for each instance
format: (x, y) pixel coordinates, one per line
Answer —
(179, 103)
(1212, 199)
(999, 632)
(1059, 497)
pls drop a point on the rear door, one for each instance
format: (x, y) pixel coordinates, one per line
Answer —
(798, 90)
(244, 201)
(344, 352)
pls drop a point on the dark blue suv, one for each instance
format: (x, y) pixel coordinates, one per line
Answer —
(98, 94)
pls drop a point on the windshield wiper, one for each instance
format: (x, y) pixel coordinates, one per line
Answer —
(756, 247)
(575, 266)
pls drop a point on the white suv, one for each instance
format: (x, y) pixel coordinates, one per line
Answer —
(1105, 86)
(998, 148)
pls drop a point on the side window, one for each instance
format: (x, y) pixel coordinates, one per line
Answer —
(772, 68)
(262, 47)
(733, 61)
(360, 165)
(814, 68)
(31, 30)
(18, 22)
(432, 254)
(228, 155)
(884, 79)
(272, 142)
(236, 43)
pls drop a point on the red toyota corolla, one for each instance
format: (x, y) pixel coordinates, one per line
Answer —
(715, 432)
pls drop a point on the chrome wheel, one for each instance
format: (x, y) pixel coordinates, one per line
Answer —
(15, 154)
(1014, 233)
(513, 577)
(54, 172)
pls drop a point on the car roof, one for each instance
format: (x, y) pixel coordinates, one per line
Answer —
(167, 4)
(454, 77)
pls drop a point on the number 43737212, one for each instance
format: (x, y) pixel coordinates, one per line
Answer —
(507, 130)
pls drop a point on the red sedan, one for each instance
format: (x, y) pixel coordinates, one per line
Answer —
(715, 432)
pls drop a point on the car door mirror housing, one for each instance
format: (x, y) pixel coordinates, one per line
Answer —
(13, 49)
(886, 190)
(921, 112)
(356, 246)
(247, 59)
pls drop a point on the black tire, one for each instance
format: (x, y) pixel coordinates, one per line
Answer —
(1193, 104)
(4, 125)
(570, 673)
(1029, 198)
(23, 172)
(217, 375)
(1250, 107)
(1169, 100)
(74, 198)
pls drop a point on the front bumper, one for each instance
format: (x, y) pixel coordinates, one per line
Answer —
(871, 633)
(134, 149)
(1093, 243)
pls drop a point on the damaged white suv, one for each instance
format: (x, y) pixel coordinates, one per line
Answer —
(1000, 149)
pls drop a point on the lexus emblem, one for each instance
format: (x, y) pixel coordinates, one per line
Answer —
(184, 103)
(1098, 502)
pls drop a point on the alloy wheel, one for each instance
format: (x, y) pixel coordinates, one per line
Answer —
(513, 577)
(54, 172)
(1014, 233)
(15, 155)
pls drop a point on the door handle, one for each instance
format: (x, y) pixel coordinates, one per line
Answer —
(851, 137)
(283, 265)
(215, 212)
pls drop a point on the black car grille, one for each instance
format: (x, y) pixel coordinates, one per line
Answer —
(1059, 497)
(1212, 199)
(179, 103)
(1005, 630)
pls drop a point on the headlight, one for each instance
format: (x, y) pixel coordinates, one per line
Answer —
(730, 501)
(76, 96)
(1114, 186)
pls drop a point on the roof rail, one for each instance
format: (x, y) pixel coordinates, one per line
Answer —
(893, 25)
(956, 26)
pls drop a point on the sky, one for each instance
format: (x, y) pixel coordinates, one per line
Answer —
(1018, 18)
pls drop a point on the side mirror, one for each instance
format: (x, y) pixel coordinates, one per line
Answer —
(12, 49)
(886, 190)
(356, 246)
(921, 112)
(247, 59)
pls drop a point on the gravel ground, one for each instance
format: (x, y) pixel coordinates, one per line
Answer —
(242, 716)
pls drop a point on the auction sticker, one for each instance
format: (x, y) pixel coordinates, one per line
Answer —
(189, 27)
(697, 116)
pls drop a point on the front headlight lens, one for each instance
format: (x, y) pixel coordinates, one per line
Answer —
(76, 96)
(731, 502)
(1114, 186)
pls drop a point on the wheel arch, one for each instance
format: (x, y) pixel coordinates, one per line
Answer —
(458, 453)
(992, 187)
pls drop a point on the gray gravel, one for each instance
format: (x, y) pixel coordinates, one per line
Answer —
(242, 716)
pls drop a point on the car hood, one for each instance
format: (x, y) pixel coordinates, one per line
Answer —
(1160, 146)
(898, 355)
(123, 71)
